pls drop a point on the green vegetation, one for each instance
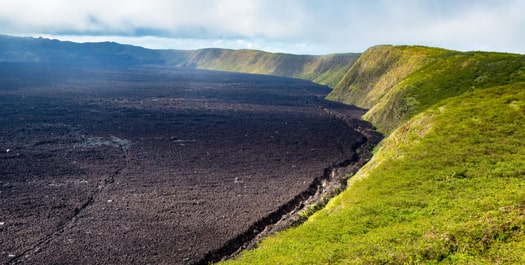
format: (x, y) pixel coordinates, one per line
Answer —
(447, 184)
(396, 83)
(377, 71)
(323, 69)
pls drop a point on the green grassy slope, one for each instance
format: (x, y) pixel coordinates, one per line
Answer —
(323, 69)
(377, 71)
(447, 185)
(396, 83)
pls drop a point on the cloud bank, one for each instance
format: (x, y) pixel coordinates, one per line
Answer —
(296, 26)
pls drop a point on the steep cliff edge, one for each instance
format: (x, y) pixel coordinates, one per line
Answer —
(322, 69)
(397, 82)
(377, 71)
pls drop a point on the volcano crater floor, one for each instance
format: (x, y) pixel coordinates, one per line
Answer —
(154, 165)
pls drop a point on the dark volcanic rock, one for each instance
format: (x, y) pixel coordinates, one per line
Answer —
(154, 165)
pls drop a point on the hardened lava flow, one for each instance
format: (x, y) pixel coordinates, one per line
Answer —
(162, 166)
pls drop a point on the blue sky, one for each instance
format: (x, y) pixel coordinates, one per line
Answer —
(291, 26)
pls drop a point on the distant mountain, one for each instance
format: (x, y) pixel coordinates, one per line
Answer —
(325, 69)
(17, 49)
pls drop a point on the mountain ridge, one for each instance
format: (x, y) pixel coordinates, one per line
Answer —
(322, 69)
(397, 82)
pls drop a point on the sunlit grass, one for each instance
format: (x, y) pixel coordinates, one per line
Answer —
(448, 186)
(398, 82)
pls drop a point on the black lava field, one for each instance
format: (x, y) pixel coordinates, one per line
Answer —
(155, 165)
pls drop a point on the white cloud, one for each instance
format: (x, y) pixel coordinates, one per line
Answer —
(291, 25)
(153, 42)
(219, 17)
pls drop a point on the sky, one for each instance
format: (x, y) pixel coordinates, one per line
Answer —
(289, 26)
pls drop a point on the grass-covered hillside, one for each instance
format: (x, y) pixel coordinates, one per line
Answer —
(322, 69)
(396, 83)
(446, 185)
